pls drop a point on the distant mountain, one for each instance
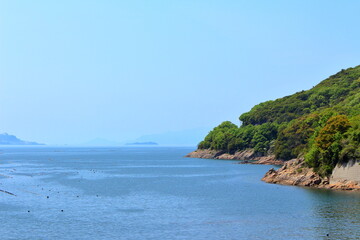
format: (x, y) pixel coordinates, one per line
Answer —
(6, 139)
(142, 143)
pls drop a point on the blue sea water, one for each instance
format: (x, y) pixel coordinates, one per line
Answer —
(156, 193)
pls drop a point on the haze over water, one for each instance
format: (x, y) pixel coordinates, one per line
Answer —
(156, 193)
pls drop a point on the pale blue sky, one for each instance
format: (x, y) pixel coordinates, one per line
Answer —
(71, 71)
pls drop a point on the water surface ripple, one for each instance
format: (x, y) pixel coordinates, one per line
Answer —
(156, 193)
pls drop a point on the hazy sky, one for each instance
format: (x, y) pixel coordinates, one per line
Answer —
(71, 71)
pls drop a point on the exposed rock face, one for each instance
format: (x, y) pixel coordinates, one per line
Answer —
(344, 185)
(267, 160)
(203, 153)
(295, 172)
(248, 156)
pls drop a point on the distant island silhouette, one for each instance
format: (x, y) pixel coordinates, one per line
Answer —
(7, 139)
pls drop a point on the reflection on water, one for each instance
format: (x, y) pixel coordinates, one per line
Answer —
(156, 193)
(337, 213)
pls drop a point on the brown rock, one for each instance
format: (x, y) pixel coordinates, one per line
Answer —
(247, 156)
(294, 172)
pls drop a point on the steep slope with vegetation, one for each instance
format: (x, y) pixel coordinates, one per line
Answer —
(321, 125)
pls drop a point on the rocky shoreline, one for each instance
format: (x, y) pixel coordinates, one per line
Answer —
(247, 156)
(293, 172)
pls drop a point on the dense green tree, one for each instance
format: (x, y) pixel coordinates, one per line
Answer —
(322, 124)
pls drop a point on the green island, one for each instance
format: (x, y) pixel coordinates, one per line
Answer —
(320, 126)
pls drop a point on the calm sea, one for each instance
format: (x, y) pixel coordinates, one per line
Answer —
(156, 193)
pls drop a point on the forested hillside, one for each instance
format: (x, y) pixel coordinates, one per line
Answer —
(321, 124)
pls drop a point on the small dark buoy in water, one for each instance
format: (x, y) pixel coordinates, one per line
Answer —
(47, 196)
(327, 235)
(62, 210)
(28, 210)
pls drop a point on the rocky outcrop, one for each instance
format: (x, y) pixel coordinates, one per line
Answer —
(247, 156)
(295, 172)
(267, 160)
(204, 153)
(344, 185)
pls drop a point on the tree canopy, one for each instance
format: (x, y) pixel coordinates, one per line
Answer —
(321, 124)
